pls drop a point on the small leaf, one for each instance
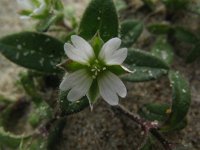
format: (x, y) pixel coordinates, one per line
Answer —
(194, 7)
(130, 32)
(33, 51)
(159, 28)
(140, 74)
(44, 24)
(68, 107)
(184, 35)
(155, 111)
(100, 16)
(181, 99)
(144, 59)
(175, 5)
(163, 49)
(144, 66)
(194, 54)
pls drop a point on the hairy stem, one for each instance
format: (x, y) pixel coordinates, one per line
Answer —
(147, 126)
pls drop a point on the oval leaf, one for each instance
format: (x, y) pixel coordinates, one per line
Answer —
(194, 54)
(100, 16)
(163, 49)
(181, 99)
(130, 32)
(155, 111)
(144, 59)
(159, 28)
(140, 74)
(67, 107)
(33, 51)
(184, 35)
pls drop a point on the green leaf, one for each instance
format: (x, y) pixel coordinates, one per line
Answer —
(194, 54)
(40, 112)
(163, 50)
(140, 74)
(67, 107)
(44, 24)
(150, 4)
(194, 7)
(175, 5)
(181, 99)
(33, 51)
(130, 32)
(10, 140)
(144, 59)
(184, 35)
(159, 28)
(100, 16)
(155, 111)
(144, 66)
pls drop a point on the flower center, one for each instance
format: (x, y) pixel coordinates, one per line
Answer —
(96, 68)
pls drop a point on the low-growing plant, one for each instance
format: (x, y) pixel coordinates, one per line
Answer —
(83, 62)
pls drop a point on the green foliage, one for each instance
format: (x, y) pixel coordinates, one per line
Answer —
(175, 5)
(130, 32)
(33, 51)
(159, 28)
(163, 50)
(67, 107)
(194, 54)
(45, 24)
(100, 16)
(155, 111)
(144, 66)
(181, 100)
(184, 35)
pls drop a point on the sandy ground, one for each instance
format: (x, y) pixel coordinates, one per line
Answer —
(101, 129)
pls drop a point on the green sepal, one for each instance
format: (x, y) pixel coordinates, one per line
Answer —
(93, 93)
(97, 44)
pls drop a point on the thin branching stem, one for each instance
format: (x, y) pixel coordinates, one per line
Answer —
(147, 126)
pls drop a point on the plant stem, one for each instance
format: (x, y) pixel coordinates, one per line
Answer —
(147, 126)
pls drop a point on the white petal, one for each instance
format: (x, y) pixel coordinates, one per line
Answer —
(80, 89)
(75, 54)
(25, 4)
(82, 45)
(118, 57)
(117, 84)
(109, 47)
(70, 80)
(107, 92)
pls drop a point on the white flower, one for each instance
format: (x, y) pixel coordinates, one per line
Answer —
(95, 70)
(31, 7)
